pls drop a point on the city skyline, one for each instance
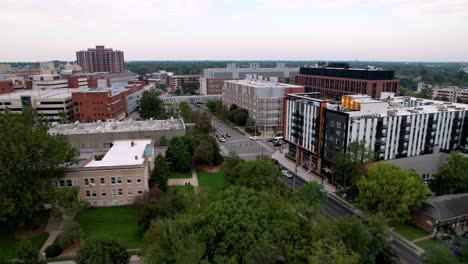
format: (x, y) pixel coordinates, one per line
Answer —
(383, 30)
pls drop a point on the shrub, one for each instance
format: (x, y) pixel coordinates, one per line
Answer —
(53, 250)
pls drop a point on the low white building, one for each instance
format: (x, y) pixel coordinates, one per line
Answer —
(451, 93)
(48, 82)
(52, 104)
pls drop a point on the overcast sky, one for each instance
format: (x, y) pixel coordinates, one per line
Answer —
(396, 30)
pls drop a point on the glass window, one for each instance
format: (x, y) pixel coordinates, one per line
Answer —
(91, 180)
(138, 179)
(120, 192)
(140, 191)
(129, 179)
(93, 193)
(102, 180)
(103, 193)
(114, 192)
(112, 180)
(119, 180)
(88, 193)
(129, 191)
(86, 181)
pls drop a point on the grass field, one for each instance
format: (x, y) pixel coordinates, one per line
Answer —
(180, 175)
(9, 245)
(410, 231)
(116, 222)
(429, 244)
(212, 183)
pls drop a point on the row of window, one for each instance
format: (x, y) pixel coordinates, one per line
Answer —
(113, 180)
(115, 192)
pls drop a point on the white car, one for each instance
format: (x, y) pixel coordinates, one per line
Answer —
(254, 138)
(222, 140)
(287, 173)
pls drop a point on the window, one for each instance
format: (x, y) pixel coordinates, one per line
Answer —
(129, 179)
(129, 191)
(114, 192)
(93, 193)
(112, 180)
(119, 180)
(120, 192)
(103, 193)
(139, 191)
(102, 181)
(88, 193)
(138, 179)
(69, 183)
(60, 183)
(91, 180)
(86, 181)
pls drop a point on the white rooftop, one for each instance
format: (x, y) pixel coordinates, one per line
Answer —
(123, 153)
(264, 83)
(63, 93)
(106, 127)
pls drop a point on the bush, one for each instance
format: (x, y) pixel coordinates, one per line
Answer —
(251, 131)
(103, 252)
(53, 250)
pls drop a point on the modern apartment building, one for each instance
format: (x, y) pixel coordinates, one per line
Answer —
(55, 105)
(212, 81)
(394, 127)
(100, 135)
(101, 59)
(114, 177)
(177, 81)
(452, 93)
(337, 79)
(262, 98)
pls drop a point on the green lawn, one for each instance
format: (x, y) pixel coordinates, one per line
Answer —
(429, 244)
(115, 222)
(180, 175)
(9, 245)
(410, 231)
(212, 183)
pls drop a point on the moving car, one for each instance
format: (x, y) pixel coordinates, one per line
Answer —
(254, 138)
(287, 173)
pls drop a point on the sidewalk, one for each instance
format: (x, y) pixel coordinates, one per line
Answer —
(193, 181)
(302, 173)
(54, 227)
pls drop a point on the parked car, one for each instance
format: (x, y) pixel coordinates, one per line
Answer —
(277, 144)
(228, 136)
(254, 138)
(287, 173)
(222, 140)
(216, 135)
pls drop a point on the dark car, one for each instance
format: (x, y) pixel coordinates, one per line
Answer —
(228, 136)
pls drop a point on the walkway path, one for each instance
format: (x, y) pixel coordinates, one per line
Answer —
(193, 181)
(422, 238)
(54, 227)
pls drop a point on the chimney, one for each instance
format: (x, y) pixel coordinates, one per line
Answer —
(132, 144)
(136, 157)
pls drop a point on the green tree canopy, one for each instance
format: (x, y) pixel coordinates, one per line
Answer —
(190, 87)
(151, 106)
(185, 111)
(259, 174)
(29, 157)
(452, 177)
(202, 121)
(102, 252)
(180, 153)
(390, 191)
(160, 173)
(440, 255)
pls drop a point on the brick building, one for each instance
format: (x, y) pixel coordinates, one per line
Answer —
(6, 86)
(338, 79)
(101, 59)
(177, 81)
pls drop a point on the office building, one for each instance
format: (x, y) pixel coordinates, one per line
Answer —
(26, 72)
(160, 76)
(55, 105)
(177, 81)
(114, 103)
(75, 81)
(451, 93)
(46, 82)
(337, 79)
(101, 59)
(394, 127)
(10, 83)
(100, 135)
(189, 98)
(262, 98)
(212, 80)
(113, 177)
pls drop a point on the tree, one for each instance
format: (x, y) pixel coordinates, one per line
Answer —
(440, 255)
(190, 87)
(151, 106)
(180, 153)
(233, 107)
(160, 173)
(71, 234)
(27, 254)
(202, 121)
(233, 167)
(185, 111)
(312, 194)
(260, 174)
(239, 116)
(29, 156)
(211, 105)
(103, 252)
(204, 153)
(452, 176)
(426, 93)
(64, 201)
(390, 191)
(352, 164)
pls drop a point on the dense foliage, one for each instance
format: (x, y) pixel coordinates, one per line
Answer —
(160, 174)
(390, 191)
(29, 156)
(452, 177)
(103, 252)
(151, 106)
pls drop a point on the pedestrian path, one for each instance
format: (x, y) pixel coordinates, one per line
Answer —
(422, 238)
(54, 227)
(186, 181)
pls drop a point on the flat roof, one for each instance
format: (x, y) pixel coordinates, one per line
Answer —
(264, 83)
(63, 93)
(123, 153)
(109, 127)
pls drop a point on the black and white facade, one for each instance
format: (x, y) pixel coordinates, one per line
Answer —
(394, 127)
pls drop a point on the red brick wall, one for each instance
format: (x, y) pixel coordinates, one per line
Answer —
(95, 106)
(93, 81)
(421, 220)
(6, 86)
